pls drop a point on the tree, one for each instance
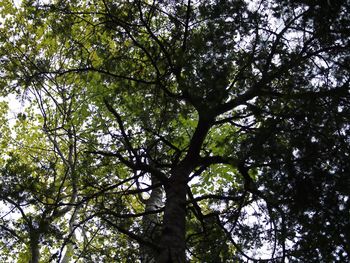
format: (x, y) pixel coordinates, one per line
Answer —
(202, 131)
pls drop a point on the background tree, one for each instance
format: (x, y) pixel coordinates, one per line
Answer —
(232, 116)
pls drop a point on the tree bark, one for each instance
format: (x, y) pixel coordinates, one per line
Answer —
(34, 246)
(151, 222)
(173, 239)
(172, 242)
(71, 226)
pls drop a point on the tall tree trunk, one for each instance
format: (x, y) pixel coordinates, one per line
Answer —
(151, 222)
(69, 247)
(172, 242)
(34, 246)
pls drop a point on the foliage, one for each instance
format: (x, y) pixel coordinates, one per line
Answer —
(138, 116)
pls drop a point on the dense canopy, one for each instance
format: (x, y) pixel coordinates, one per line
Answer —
(174, 131)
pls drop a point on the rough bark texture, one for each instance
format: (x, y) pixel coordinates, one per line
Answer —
(172, 242)
(151, 222)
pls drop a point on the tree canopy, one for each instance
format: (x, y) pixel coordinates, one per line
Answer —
(175, 131)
